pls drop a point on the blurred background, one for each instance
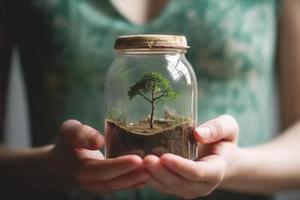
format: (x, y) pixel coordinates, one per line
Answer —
(17, 130)
(89, 41)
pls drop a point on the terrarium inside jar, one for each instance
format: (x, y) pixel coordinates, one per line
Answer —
(150, 98)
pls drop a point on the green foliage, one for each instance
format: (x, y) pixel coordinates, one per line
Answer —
(153, 86)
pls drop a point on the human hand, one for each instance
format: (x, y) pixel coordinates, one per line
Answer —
(218, 151)
(75, 161)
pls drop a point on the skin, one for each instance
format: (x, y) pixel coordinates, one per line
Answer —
(266, 168)
(139, 11)
(75, 163)
(189, 179)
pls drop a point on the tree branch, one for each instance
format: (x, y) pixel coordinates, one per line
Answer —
(159, 92)
(163, 94)
(144, 96)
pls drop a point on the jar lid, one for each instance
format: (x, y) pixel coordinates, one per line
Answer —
(151, 42)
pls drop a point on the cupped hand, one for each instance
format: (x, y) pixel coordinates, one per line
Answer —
(218, 151)
(76, 162)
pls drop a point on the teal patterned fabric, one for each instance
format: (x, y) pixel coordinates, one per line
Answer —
(67, 48)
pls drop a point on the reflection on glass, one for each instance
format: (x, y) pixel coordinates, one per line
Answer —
(177, 69)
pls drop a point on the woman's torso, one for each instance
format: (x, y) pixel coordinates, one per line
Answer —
(66, 49)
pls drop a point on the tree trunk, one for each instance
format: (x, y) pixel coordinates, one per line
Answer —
(152, 106)
(152, 114)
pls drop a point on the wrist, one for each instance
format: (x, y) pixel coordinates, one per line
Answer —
(242, 171)
(239, 166)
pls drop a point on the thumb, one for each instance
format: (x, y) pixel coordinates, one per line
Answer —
(224, 127)
(78, 135)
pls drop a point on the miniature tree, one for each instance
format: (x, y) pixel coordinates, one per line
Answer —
(154, 88)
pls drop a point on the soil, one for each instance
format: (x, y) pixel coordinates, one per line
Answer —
(167, 136)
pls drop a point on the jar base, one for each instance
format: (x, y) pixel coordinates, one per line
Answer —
(122, 139)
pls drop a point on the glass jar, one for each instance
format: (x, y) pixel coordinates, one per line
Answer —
(150, 98)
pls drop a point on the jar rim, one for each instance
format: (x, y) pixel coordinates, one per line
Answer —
(143, 51)
(151, 41)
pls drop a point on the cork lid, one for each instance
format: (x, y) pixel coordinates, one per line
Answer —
(151, 42)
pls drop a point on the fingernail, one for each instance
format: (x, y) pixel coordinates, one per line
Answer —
(204, 132)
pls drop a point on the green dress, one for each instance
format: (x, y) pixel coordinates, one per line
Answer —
(66, 47)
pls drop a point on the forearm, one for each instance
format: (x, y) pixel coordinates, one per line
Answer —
(268, 168)
(25, 169)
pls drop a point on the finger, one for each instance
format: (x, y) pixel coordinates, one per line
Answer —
(224, 127)
(137, 186)
(152, 182)
(168, 182)
(194, 171)
(110, 168)
(134, 179)
(78, 135)
(191, 191)
(163, 175)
